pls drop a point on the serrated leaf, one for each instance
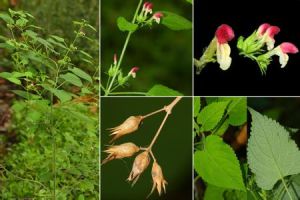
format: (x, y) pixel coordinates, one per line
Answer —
(82, 74)
(293, 187)
(197, 105)
(71, 78)
(271, 153)
(213, 193)
(175, 22)
(161, 90)
(125, 25)
(211, 115)
(218, 165)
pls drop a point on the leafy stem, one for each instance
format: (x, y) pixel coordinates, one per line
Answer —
(107, 91)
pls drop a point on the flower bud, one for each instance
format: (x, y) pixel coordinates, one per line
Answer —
(157, 16)
(115, 59)
(120, 151)
(133, 71)
(130, 125)
(140, 163)
(158, 179)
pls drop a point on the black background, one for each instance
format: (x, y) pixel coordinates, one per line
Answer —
(244, 78)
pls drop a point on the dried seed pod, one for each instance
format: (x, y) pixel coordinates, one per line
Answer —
(158, 179)
(140, 163)
(120, 151)
(130, 125)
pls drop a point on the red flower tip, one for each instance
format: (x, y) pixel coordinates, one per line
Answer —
(272, 31)
(288, 47)
(134, 69)
(224, 33)
(263, 28)
(158, 15)
(148, 5)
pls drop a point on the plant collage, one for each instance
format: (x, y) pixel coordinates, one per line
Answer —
(131, 100)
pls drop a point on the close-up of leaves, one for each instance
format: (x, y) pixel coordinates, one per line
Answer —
(139, 154)
(49, 141)
(157, 47)
(231, 166)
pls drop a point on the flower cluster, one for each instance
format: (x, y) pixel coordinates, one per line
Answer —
(146, 18)
(143, 159)
(114, 70)
(259, 46)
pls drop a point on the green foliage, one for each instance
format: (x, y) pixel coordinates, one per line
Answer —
(211, 115)
(272, 155)
(125, 25)
(197, 105)
(213, 193)
(56, 153)
(218, 165)
(160, 90)
(176, 22)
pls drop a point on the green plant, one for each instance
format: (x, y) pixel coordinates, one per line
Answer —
(55, 116)
(129, 149)
(142, 19)
(271, 170)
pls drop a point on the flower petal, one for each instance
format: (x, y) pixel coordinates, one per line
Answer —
(224, 33)
(283, 59)
(263, 28)
(223, 56)
(288, 47)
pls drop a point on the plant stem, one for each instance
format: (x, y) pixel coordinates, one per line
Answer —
(168, 110)
(153, 113)
(128, 93)
(123, 50)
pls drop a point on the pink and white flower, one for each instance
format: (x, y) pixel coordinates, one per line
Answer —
(283, 50)
(115, 59)
(224, 34)
(262, 29)
(133, 71)
(157, 17)
(147, 8)
(268, 36)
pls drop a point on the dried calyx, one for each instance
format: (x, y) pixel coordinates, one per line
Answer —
(143, 159)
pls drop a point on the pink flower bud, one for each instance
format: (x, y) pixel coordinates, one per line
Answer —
(130, 125)
(120, 151)
(140, 163)
(115, 59)
(288, 47)
(133, 71)
(263, 28)
(157, 16)
(224, 33)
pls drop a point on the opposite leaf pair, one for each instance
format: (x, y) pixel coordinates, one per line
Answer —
(259, 46)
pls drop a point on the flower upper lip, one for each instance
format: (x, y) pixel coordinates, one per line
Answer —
(224, 33)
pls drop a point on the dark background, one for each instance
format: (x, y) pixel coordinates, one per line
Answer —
(244, 76)
(173, 148)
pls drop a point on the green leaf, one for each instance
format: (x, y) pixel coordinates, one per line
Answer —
(9, 76)
(161, 90)
(222, 129)
(218, 165)
(175, 22)
(25, 95)
(82, 74)
(235, 195)
(125, 25)
(61, 94)
(7, 18)
(71, 78)
(211, 115)
(271, 153)
(214, 193)
(190, 1)
(197, 105)
(237, 111)
(293, 187)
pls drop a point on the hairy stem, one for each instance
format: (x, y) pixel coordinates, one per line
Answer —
(123, 50)
(287, 190)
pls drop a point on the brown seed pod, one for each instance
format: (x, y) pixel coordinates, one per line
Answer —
(158, 179)
(120, 151)
(130, 125)
(140, 163)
